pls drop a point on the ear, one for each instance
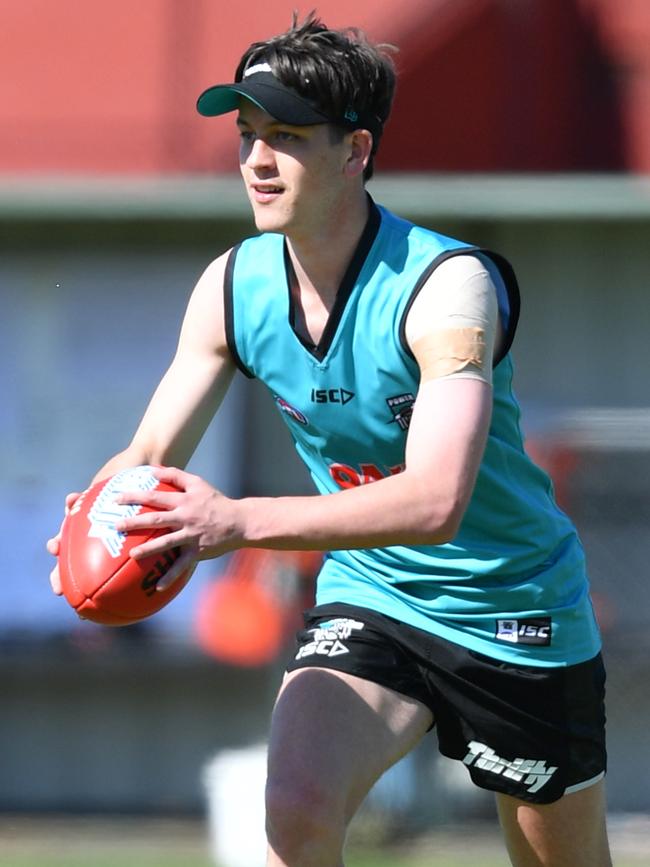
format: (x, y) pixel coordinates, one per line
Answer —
(359, 152)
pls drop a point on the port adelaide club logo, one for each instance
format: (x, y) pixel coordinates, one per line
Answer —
(401, 407)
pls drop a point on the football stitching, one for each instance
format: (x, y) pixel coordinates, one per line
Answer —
(160, 603)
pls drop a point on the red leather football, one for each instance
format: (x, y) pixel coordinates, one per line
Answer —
(99, 578)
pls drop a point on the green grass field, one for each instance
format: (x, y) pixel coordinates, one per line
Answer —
(129, 842)
(160, 859)
(91, 858)
(91, 842)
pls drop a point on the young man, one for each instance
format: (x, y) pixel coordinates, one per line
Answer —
(454, 592)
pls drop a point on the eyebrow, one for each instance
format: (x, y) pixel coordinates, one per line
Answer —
(273, 125)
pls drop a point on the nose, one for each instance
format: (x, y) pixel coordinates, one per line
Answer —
(260, 155)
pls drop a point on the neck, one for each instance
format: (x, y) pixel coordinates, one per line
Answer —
(321, 256)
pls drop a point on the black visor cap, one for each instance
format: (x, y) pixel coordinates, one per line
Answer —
(283, 103)
(267, 92)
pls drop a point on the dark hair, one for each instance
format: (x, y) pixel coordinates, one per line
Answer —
(339, 69)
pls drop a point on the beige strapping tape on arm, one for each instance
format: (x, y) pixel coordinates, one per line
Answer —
(453, 350)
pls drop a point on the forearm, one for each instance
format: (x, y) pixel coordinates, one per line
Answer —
(399, 510)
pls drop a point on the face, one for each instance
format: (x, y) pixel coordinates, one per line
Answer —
(295, 176)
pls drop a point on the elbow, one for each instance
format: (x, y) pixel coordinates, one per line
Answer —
(441, 532)
(432, 514)
(442, 522)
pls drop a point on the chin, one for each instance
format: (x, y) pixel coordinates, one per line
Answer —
(267, 221)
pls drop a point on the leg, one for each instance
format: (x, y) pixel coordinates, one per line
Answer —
(332, 736)
(570, 832)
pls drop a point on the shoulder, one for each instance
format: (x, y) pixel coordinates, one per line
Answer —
(458, 267)
(214, 272)
(204, 314)
(461, 287)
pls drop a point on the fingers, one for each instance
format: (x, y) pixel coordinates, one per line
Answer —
(55, 581)
(153, 499)
(187, 517)
(173, 476)
(186, 563)
(70, 500)
(149, 521)
(158, 545)
(53, 545)
(162, 501)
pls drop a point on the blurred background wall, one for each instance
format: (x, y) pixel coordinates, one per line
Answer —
(485, 85)
(522, 125)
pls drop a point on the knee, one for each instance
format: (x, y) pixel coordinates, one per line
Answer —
(305, 820)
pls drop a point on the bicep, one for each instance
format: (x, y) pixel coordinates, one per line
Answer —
(453, 332)
(453, 327)
(450, 423)
(447, 436)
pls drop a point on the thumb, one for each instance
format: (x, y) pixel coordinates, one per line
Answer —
(55, 581)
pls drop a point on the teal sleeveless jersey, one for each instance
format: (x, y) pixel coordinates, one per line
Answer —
(512, 583)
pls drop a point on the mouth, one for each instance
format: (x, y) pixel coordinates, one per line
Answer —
(265, 192)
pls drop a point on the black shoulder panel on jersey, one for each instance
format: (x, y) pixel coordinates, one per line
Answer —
(510, 282)
(229, 313)
(509, 278)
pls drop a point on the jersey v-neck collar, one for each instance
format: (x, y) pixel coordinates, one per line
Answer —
(320, 350)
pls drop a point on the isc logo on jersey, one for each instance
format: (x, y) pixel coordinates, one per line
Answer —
(328, 638)
(331, 395)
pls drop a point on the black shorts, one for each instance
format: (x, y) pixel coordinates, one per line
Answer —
(532, 732)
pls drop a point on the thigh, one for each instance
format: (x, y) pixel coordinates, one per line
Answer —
(339, 732)
(570, 832)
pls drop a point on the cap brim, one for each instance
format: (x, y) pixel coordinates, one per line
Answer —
(275, 99)
(221, 99)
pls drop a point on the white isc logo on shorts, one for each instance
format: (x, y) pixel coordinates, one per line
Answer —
(328, 638)
(533, 772)
(531, 630)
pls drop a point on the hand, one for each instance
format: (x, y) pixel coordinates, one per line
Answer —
(53, 545)
(198, 518)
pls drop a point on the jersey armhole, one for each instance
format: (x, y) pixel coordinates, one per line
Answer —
(228, 309)
(509, 303)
